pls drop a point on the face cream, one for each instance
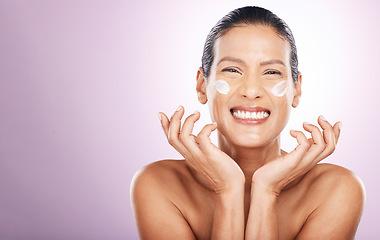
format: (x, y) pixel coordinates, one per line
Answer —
(222, 86)
(280, 89)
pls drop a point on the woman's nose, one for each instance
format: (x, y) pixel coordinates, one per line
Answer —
(251, 88)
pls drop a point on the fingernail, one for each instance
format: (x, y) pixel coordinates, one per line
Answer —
(159, 116)
(178, 108)
(307, 123)
(196, 111)
(340, 125)
(322, 117)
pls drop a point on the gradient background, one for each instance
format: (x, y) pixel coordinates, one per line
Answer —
(81, 83)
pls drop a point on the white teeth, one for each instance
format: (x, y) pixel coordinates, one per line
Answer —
(250, 115)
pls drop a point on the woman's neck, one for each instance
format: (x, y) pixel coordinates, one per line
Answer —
(250, 159)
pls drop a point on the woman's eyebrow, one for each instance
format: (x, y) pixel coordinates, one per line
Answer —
(231, 59)
(238, 60)
(274, 61)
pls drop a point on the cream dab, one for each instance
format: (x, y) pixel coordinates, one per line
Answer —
(280, 89)
(222, 86)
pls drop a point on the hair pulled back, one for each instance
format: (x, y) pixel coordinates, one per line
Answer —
(248, 16)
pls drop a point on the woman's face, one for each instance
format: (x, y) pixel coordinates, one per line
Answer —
(250, 88)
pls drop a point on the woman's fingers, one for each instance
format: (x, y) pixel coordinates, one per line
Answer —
(330, 135)
(164, 122)
(188, 125)
(172, 130)
(328, 132)
(181, 137)
(175, 126)
(315, 134)
(186, 136)
(323, 144)
(203, 137)
(303, 145)
(337, 128)
(301, 139)
(317, 141)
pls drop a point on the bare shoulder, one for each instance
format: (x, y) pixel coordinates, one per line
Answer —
(155, 191)
(335, 195)
(327, 181)
(159, 175)
(159, 167)
(336, 178)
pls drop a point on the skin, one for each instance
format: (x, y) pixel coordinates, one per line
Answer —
(247, 188)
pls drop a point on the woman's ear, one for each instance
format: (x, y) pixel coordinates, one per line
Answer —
(297, 91)
(201, 86)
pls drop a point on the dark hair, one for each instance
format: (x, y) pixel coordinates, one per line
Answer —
(248, 15)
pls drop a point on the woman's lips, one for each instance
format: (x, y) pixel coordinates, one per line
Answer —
(250, 115)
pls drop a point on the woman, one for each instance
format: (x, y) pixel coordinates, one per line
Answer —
(247, 188)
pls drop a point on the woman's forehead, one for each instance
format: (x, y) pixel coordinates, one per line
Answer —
(252, 43)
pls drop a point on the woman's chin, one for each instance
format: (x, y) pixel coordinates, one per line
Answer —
(250, 140)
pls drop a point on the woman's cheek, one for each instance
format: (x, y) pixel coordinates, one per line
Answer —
(222, 87)
(280, 89)
(219, 91)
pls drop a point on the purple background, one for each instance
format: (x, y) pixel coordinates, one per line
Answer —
(81, 83)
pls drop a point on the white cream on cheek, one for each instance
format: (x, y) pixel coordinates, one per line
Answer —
(222, 86)
(280, 88)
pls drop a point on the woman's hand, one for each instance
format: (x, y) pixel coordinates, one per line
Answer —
(200, 153)
(275, 175)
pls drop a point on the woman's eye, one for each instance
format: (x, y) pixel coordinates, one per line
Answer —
(230, 70)
(272, 72)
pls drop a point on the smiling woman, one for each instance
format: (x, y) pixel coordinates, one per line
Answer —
(247, 187)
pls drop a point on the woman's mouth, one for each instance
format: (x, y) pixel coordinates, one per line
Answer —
(250, 115)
